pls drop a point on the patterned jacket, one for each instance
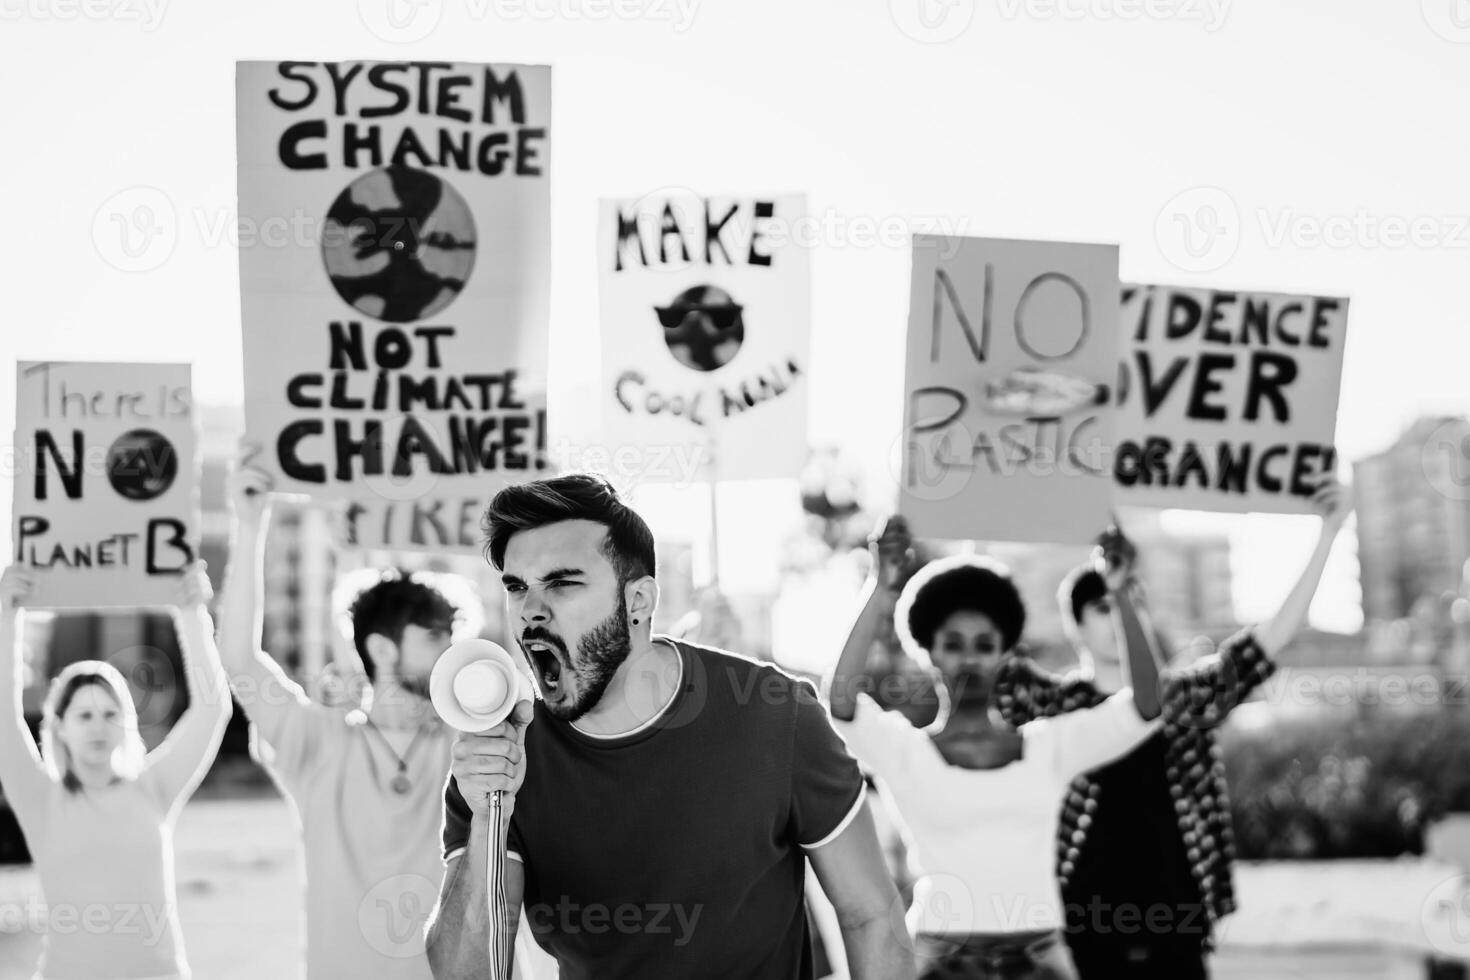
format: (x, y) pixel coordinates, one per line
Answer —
(1195, 700)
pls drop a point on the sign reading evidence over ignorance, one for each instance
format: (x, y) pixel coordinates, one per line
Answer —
(1228, 399)
(1008, 412)
(106, 504)
(396, 325)
(706, 332)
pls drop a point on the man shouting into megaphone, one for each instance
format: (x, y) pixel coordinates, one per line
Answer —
(659, 798)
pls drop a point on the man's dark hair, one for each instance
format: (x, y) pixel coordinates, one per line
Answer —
(950, 585)
(574, 497)
(390, 605)
(1081, 586)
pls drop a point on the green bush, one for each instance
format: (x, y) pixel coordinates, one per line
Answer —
(1334, 786)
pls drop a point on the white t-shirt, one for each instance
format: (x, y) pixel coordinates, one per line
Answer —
(983, 841)
(371, 855)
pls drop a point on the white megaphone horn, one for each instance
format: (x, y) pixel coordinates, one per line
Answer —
(475, 685)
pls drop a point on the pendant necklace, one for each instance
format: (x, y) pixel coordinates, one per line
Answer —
(400, 783)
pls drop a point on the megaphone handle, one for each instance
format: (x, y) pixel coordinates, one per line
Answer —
(495, 882)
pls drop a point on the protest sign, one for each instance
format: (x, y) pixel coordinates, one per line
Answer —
(706, 334)
(1008, 407)
(1228, 398)
(106, 508)
(394, 286)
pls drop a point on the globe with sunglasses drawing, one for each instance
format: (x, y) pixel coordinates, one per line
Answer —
(703, 327)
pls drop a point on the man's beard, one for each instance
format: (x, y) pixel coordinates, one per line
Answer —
(417, 686)
(600, 652)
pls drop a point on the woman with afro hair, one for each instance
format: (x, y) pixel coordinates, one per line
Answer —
(979, 800)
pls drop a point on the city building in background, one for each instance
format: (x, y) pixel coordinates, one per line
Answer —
(1413, 501)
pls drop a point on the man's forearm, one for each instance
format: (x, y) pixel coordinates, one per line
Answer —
(878, 949)
(458, 939)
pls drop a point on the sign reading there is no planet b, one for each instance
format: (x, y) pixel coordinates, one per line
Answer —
(106, 508)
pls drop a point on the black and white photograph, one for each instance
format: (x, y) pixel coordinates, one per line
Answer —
(713, 490)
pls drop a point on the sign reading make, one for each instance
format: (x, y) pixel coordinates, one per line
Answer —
(706, 333)
(1229, 399)
(1008, 411)
(106, 506)
(394, 286)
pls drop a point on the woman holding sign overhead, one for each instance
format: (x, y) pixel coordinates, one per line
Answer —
(97, 811)
(980, 800)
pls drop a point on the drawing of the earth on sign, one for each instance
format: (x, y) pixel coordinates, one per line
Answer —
(703, 327)
(399, 244)
(142, 464)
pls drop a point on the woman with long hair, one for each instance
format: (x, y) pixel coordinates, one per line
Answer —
(979, 800)
(98, 811)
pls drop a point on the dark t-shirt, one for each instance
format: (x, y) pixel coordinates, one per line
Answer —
(1132, 883)
(676, 851)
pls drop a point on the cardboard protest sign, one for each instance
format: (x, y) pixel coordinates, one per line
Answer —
(706, 334)
(1008, 408)
(106, 509)
(394, 282)
(1228, 399)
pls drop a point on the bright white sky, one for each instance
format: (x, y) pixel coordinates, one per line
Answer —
(1059, 119)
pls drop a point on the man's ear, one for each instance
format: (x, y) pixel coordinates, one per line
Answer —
(383, 651)
(641, 595)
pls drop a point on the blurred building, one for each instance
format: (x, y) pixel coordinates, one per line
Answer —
(1186, 576)
(1413, 504)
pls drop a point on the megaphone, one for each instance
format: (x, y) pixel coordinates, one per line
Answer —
(475, 685)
